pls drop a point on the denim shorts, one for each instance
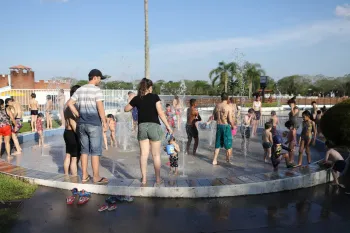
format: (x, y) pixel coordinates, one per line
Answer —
(90, 139)
(151, 131)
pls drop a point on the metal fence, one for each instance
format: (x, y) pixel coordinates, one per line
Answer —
(115, 100)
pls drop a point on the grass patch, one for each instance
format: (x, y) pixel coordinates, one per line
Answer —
(12, 189)
(27, 128)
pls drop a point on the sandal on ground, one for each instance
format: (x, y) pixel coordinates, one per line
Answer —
(103, 180)
(70, 200)
(87, 179)
(103, 208)
(112, 207)
(83, 200)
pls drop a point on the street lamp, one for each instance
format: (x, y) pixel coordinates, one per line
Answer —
(263, 84)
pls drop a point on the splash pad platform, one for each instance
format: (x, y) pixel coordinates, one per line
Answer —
(245, 176)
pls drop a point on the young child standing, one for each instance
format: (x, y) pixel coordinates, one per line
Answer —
(308, 135)
(274, 121)
(245, 130)
(334, 159)
(276, 155)
(40, 129)
(172, 150)
(267, 141)
(318, 121)
(170, 115)
(291, 139)
(112, 123)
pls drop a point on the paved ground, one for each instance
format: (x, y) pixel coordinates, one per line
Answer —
(119, 164)
(318, 209)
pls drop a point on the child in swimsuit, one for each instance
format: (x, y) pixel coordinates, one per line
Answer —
(306, 137)
(336, 161)
(40, 129)
(274, 121)
(276, 155)
(267, 141)
(170, 115)
(245, 129)
(172, 150)
(292, 139)
(318, 121)
(111, 122)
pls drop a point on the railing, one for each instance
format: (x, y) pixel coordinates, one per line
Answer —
(115, 100)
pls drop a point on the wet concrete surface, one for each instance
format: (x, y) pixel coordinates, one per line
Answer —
(318, 209)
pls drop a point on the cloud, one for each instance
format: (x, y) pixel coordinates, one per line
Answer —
(304, 35)
(343, 11)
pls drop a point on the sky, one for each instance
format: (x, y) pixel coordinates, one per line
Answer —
(187, 38)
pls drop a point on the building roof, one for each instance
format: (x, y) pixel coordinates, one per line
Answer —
(21, 67)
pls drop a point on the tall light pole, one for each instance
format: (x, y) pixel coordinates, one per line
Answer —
(147, 63)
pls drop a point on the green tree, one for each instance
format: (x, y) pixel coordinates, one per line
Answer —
(82, 82)
(200, 88)
(223, 73)
(252, 73)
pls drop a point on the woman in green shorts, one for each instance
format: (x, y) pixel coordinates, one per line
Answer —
(149, 131)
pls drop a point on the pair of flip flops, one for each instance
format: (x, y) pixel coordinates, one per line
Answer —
(83, 195)
(112, 200)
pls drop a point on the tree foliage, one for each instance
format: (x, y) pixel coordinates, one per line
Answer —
(335, 124)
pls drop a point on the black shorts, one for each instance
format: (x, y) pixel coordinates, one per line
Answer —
(257, 115)
(245, 131)
(192, 131)
(72, 143)
(34, 112)
(339, 166)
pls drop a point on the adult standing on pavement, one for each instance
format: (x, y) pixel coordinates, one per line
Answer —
(225, 123)
(150, 133)
(61, 101)
(10, 107)
(257, 110)
(92, 120)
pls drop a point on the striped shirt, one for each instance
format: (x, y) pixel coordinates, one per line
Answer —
(86, 98)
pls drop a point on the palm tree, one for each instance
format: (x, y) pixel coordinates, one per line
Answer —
(223, 73)
(147, 63)
(252, 72)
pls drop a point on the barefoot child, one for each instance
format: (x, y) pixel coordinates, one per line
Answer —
(172, 150)
(274, 122)
(40, 129)
(277, 155)
(291, 139)
(111, 122)
(308, 135)
(246, 129)
(334, 159)
(267, 141)
(318, 121)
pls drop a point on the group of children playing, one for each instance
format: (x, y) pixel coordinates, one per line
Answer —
(272, 144)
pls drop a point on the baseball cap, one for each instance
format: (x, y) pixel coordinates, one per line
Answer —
(96, 72)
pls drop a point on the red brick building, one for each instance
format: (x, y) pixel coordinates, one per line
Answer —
(22, 77)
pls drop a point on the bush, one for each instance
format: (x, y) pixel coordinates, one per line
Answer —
(335, 124)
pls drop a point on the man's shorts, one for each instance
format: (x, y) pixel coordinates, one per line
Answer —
(192, 131)
(339, 166)
(90, 139)
(151, 131)
(223, 137)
